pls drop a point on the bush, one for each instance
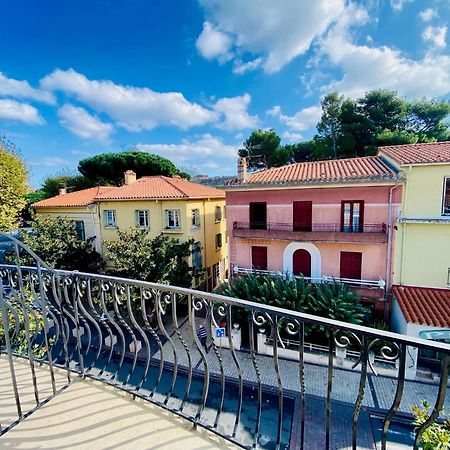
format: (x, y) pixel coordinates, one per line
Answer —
(437, 435)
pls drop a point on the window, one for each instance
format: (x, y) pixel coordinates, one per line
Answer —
(218, 241)
(196, 255)
(258, 216)
(351, 263)
(142, 218)
(446, 197)
(259, 257)
(352, 216)
(218, 214)
(172, 218)
(110, 218)
(195, 218)
(79, 228)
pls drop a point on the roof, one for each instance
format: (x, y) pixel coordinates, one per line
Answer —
(426, 153)
(78, 198)
(424, 306)
(334, 170)
(159, 187)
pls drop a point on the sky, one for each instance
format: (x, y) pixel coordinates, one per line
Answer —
(190, 79)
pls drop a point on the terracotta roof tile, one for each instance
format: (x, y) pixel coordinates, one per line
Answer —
(427, 153)
(79, 198)
(424, 306)
(329, 171)
(157, 187)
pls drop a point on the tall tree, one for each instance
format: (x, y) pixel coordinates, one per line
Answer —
(108, 168)
(426, 119)
(263, 149)
(13, 185)
(329, 127)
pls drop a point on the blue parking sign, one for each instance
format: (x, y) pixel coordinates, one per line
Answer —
(220, 332)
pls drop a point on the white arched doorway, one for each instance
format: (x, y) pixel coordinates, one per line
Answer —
(316, 262)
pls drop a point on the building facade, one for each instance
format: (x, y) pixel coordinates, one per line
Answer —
(317, 219)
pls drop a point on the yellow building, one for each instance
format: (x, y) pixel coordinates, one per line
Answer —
(421, 254)
(171, 206)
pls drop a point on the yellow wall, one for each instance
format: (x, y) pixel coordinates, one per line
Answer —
(205, 234)
(422, 248)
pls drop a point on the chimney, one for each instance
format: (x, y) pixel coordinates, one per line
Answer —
(242, 169)
(130, 177)
(63, 191)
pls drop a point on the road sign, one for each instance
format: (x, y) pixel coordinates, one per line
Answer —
(220, 332)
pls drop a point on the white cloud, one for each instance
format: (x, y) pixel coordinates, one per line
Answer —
(435, 35)
(278, 31)
(397, 5)
(302, 120)
(22, 89)
(49, 161)
(365, 68)
(213, 43)
(235, 113)
(79, 122)
(292, 137)
(21, 112)
(241, 67)
(193, 151)
(428, 14)
(132, 108)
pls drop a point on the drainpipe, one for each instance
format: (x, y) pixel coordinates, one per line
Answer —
(389, 250)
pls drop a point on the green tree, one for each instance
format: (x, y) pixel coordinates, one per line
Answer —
(263, 147)
(55, 242)
(159, 260)
(108, 168)
(329, 127)
(69, 181)
(426, 119)
(13, 185)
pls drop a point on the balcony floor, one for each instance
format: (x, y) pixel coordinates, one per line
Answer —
(90, 415)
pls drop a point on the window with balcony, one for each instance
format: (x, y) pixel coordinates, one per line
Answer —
(218, 241)
(110, 218)
(259, 257)
(258, 216)
(302, 216)
(172, 219)
(142, 220)
(352, 216)
(218, 213)
(79, 229)
(195, 218)
(351, 265)
(446, 197)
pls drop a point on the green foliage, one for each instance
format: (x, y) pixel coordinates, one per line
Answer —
(331, 300)
(13, 185)
(437, 435)
(55, 242)
(108, 168)
(71, 182)
(329, 126)
(159, 260)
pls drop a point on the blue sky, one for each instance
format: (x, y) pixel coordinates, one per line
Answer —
(190, 79)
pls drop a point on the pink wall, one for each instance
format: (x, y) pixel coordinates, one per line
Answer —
(326, 209)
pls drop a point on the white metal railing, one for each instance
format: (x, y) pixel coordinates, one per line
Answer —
(380, 283)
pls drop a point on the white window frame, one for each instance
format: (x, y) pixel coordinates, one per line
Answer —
(142, 213)
(110, 213)
(172, 219)
(443, 213)
(195, 218)
(218, 214)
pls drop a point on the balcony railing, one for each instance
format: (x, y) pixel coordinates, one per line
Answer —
(379, 284)
(315, 227)
(143, 338)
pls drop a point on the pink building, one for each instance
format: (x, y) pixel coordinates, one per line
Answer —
(319, 219)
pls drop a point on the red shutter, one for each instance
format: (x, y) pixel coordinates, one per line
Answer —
(301, 263)
(351, 263)
(302, 216)
(259, 258)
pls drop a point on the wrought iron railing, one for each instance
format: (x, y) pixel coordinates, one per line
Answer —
(315, 227)
(144, 338)
(378, 284)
